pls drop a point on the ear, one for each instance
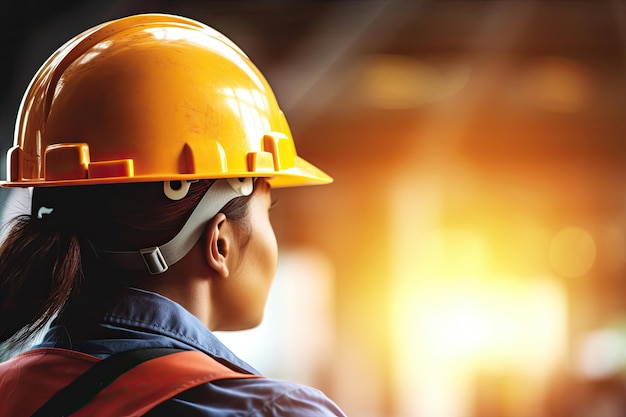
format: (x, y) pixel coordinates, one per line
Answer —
(218, 244)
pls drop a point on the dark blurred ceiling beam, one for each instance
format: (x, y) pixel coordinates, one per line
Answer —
(352, 28)
(618, 9)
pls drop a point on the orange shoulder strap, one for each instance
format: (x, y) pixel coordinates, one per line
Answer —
(29, 380)
(146, 385)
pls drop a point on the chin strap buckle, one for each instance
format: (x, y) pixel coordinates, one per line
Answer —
(154, 260)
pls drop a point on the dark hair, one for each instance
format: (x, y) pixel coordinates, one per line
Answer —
(46, 261)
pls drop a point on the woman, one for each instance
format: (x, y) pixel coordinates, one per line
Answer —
(151, 144)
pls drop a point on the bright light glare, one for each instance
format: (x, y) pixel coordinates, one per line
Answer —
(602, 354)
(251, 107)
(458, 329)
(449, 329)
(490, 322)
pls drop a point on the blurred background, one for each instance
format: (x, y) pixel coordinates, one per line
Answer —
(469, 260)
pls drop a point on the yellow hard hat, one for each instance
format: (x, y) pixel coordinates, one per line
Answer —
(152, 97)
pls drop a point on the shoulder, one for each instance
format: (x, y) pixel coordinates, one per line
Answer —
(255, 397)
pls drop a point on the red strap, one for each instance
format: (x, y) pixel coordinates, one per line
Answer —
(31, 378)
(142, 388)
(28, 380)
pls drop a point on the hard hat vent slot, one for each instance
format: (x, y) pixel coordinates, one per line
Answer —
(66, 161)
(14, 167)
(203, 156)
(122, 168)
(260, 162)
(282, 149)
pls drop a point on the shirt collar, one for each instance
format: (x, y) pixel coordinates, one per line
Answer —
(143, 315)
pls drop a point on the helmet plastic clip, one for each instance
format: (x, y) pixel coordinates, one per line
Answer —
(242, 186)
(179, 192)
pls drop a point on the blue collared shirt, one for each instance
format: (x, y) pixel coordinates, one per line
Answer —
(141, 319)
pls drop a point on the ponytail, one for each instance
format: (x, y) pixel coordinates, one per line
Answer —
(39, 267)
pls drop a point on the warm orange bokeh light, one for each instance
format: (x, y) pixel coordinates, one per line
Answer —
(400, 82)
(572, 252)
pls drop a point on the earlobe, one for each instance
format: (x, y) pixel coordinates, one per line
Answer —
(217, 245)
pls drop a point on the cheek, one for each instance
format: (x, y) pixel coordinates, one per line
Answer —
(271, 250)
(261, 256)
(260, 275)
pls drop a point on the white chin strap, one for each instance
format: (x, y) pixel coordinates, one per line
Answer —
(157, 259)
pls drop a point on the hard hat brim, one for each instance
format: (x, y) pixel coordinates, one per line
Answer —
(302, 173)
